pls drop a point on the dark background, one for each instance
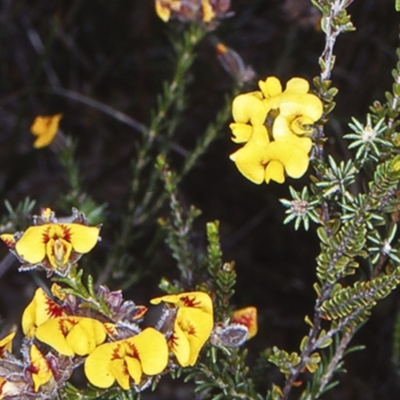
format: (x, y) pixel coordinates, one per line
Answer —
(118, 53)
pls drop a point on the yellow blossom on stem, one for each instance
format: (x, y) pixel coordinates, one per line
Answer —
(39, 310)
(45, 128)
(51, 244)
(248, 317)
(192, 326)
(274, 125)
(56, 243)
(192, 10)
(127, 360)
(71, 335)
(165, 7)
(39, 368)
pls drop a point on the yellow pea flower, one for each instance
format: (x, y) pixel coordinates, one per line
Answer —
(71, 335)
(192, 326)
(248, 317)
(199, 300)
(165, 7)
(274, 125)
(39, 368)
(128, 359)
(39, 310)
(55, 246)
(45, 128)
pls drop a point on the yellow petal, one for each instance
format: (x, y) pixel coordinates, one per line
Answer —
(241, 132)
(307, 105)
(163, 11)
(86, 336)
(197, 326)
(120, 373)
(251, 158)
(153, 350)
(45, 128)
(6, 343)
(72, 335)
(38, 311)
(275, 172)
(249, 108)
(58, 253)
(282, 133)
(208, 11)
(180, 346)
(83, 238)
(31, 247)
(271, 87)
(97, 366)
(134, 369)
(41, 371)
(294, 159)
(248, 317)
(170, 298)
(8, 239)
(297, 85)
(53, 332)
(199, 300)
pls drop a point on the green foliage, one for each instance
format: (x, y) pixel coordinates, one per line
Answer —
(351, 306)
(223, 275)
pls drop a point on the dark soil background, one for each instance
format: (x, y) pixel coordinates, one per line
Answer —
(117, 52)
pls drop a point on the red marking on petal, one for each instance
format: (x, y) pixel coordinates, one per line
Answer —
(189, 301)
(53, 309)
(66, 233)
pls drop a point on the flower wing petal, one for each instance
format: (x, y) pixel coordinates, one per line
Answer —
(297, 85)
(97, 366)
(274, 172)
(249, 107)
(153, 351)
(241, 132)
(134, 369)
(85, 336)
(83, 238)
(31, 246)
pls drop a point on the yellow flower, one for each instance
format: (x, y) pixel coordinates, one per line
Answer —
(39, 310)
(39, 368)
(6, 343)
(191, 10)
(248, 317)
(123, 360)
(269, 122)
(72, 335)
(53, 245)
(45, 128)
(164, 8)
(193, 324)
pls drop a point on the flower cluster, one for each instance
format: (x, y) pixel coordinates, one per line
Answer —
(64, 327)
(192, 10)
(276, 127)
